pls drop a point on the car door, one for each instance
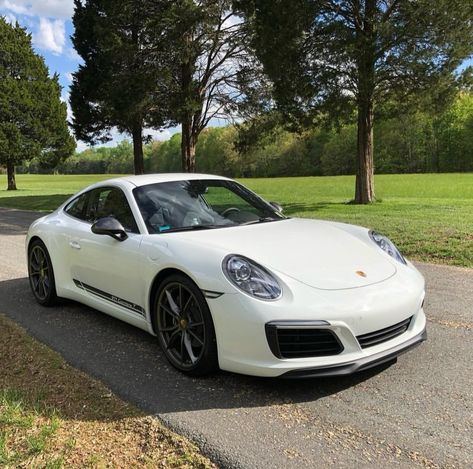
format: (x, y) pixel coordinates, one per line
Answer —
(106, 269)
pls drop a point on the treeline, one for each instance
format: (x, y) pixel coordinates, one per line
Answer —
(410, 143)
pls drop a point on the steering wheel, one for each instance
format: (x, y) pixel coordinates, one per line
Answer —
(229, 210)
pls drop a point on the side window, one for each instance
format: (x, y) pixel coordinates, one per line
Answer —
(76, 208)
(110, 201)
(95, 207)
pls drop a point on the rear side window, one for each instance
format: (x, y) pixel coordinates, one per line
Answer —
(77, 207)
(96, 206)
(110, 201)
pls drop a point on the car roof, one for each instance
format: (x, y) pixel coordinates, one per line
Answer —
(142, 180)
(146, 179)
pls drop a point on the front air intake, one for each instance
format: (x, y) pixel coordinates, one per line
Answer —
(290, 341)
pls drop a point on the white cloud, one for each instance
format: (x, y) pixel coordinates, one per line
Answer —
(72, 54)
(117, 137)
(9, 18)
(15, 6)
(161, 135)
(51, 35)
(49, 8)
(68, 76)
(81, 146)
(65, 99)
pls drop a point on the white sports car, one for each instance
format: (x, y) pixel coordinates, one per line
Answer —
(224, 280)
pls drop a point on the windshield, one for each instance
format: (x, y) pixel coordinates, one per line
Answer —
(200, 204)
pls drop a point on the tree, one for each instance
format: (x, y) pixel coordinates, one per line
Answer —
(122, 81)
(324, 56)
(33, 120)
(455, 135)
(209, 44)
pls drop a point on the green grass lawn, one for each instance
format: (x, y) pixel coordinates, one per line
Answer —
(429, 216)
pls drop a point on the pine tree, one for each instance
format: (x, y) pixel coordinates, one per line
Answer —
(32, 117)
(121, 82)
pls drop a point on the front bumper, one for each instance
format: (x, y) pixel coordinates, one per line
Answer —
(240, 325)
(361, 364)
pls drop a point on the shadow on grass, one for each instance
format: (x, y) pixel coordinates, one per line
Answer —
(290, 209)
(130, 362)
(33, 202)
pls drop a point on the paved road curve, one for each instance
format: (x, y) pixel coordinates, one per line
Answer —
(417, 413)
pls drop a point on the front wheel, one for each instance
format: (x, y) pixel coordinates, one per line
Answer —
(184, 326)
(41, 274)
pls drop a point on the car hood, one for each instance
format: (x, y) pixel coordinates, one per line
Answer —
(318, 253)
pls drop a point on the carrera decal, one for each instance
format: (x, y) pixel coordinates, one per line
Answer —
(112, 298)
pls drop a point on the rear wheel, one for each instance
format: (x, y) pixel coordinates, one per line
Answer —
(184, 326)
(41, 274)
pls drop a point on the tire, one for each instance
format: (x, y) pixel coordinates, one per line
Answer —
(184, 326)
(41, 274)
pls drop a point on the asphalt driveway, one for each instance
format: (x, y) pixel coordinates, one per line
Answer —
(418, 412)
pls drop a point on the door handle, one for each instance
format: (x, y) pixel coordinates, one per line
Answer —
(74, 244)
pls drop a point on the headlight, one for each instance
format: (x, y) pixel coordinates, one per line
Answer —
(251, 278)
(387, 246)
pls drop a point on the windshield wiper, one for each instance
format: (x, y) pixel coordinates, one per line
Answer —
(261, 220)
(189, 228)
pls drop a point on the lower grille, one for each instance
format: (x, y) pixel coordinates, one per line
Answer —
(304, 342)
(383, 335)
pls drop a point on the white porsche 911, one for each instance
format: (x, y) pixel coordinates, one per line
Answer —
(224, 280)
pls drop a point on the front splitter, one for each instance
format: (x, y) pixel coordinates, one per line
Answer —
(361, 364)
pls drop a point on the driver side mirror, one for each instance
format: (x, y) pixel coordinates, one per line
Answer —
(278, 207)
(109, 226)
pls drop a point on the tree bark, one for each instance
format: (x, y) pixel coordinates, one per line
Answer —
(138, 159)
(188, 144)
(189, 137)
(364, 185)
(434, 163)
(137, 123)
(11, 176)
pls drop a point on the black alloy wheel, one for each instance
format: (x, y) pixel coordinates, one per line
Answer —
(41, 274)
(185, 327)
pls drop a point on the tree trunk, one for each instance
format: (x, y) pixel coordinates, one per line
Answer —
(366, 38)
(189, 137)
(434, 165)
(188, 144)
(11, 176)
(138, 160)
(364, 187)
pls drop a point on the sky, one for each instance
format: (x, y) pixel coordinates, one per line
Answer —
(49, 22)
